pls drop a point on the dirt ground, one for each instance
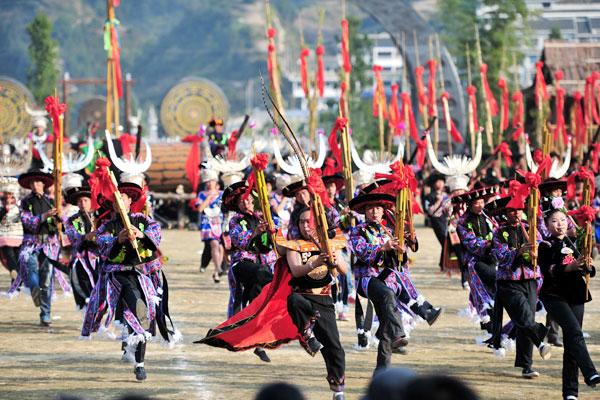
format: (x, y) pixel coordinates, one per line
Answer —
(40, 363)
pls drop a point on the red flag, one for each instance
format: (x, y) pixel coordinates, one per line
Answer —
(489, 96)
(421, 95)
(55, 109)
(320, 70)
(579, 121)
(192, 163)
(394, 113)
(100, 183)
(336, 151)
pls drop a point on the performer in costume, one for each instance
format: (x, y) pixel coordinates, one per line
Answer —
(252, 254)
(40, 242)
(373, 246)
(294, 306)
(217, 139)
(11, 229)
(475, 230)
(434, 207)
(211, 218)
(564, 294)
(139, 287)
(516, 281)
(80, 229)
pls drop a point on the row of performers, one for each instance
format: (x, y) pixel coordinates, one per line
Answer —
(115, 273)
(282, 292)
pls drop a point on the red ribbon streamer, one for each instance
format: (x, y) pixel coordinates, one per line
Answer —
(560, 130)
(330, 166)
(193, 160)
(518, 112)
(541, 92)
(589, 100)
(271, 32)
(472, 92)
(402, 177)
(343, 98)
(320, 70)
(346, 64)
(394, 112)
(336, 151)
(595, 154)
(421, 151)
(489, 96)
(422, 96)
(431, 107)
(317, 187)
(504, 99)
(504, 149)
(116, 54)
(456, 136)
(55, 109)
(533, 179)
(379, 94)
(583, 174)
(232, 144)
(407, 108)
(303, 70)
(518, 193)
(579, 121)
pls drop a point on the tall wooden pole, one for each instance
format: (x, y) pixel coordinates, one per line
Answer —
(433, 102)
(471, 112)
(489, 127)
(275, 80)
(446, 106)
(65, 92)
(405, 88)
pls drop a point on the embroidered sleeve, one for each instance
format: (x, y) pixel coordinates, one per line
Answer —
(501, 252)
(151, 231)
(333, 218)
(473, 244)
(30, 222)
(75, 237)
(106, 241)
(366, 250)
(240, 233)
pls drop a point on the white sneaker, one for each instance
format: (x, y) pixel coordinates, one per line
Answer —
(545, 351)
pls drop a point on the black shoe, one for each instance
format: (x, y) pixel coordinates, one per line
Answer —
(140, 373)
(45, 322)
(556, 342)
(314, 345)
(529, 373)
(487, 326)
(399, 342)
(262, 355)
(363, 340)
(593, 381)
(432, 315)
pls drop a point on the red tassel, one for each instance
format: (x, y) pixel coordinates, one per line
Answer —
(394, 112)
(595, 155)
(489, 96)
(431, 107)
(346, 47)
(456, 136)
(317, 187)
(582, 174)
(334, 145)
(55, 109)
(504, 149)
(379, 94)
(320, 70)
(303, 70)
(541, 92)
(504, 98)
(560, 131)
(100, 183)
(518, 111)
(421, 95)
(407, 105)
(590, 100)
(472, 92)
(271, 32)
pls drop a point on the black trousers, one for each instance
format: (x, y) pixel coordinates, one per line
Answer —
(250, 279)
(439, 226)
(390, 320)
(554, 328)
(133, 297)
(487, 274)
(306, 308)
(576, 355)
(519, 299)
(11, 256)
(206, 256)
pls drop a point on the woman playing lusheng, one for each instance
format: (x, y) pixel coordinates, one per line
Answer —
(564, 293)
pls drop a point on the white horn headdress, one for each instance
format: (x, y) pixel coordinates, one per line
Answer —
(17, 161)
(220, 164)
(292, 165)
(556, 171)
(38, 117)
(129, 165)
(456, 167)
(70, 163)
(381, 167)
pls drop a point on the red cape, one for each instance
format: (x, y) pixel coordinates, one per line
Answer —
(265, 322)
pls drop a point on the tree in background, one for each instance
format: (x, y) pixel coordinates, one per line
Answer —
(43, 50)
(555, 33)
(502, 33)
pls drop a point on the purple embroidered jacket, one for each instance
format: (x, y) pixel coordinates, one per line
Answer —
(246, 245)
(511, 266)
